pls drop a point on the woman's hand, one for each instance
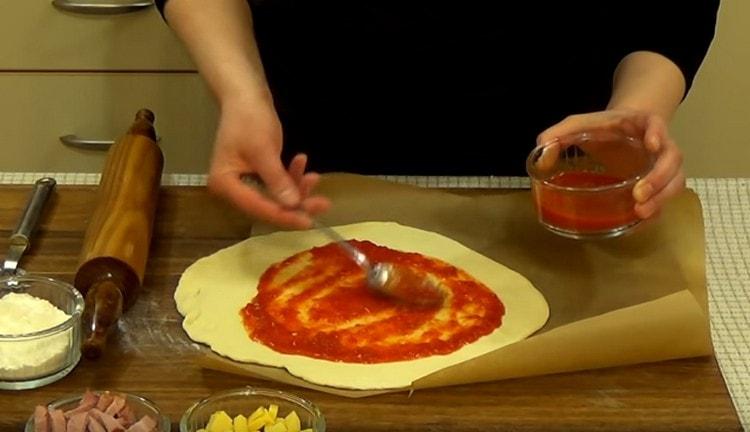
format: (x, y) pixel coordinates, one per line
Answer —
(220, 38)
(665, 180)
(248, 143)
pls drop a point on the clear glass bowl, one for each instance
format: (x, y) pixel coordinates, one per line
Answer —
(140, 406)
(582, 184)
(246, 400)
(35, 359)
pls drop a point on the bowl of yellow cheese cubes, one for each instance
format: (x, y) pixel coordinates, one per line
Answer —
(252, 409)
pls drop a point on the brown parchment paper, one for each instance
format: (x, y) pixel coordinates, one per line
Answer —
(634, 299)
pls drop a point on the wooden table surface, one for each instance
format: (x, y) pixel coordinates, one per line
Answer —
(152, 356)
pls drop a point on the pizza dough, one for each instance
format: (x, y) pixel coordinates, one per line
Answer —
(213, 290)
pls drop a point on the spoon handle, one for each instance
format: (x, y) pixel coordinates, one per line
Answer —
(354, 253)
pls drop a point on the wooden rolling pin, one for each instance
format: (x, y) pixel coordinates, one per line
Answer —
(116, 244)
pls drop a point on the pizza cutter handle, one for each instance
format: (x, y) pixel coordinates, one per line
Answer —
(42, 190)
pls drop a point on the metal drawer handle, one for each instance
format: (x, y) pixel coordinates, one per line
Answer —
(93, 8)
(89, 144)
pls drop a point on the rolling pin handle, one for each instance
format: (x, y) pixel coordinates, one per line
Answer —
(103, 308)
(144, 124)
(145, 114)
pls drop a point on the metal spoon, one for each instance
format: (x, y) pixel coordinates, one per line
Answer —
(396, 281)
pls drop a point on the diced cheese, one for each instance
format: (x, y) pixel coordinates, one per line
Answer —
(256, 424)
(292, 422)
(240, 424)
(273, 411)
(219, 422)
(278, 427)
(261, 420)
(256, 414)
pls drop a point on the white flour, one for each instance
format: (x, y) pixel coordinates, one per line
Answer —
(24, 313)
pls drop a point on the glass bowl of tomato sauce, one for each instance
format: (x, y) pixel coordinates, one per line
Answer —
(582, 183)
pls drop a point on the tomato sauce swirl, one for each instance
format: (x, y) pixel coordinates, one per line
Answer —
(316, 304)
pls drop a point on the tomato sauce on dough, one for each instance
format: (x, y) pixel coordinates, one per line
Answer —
(316, 304)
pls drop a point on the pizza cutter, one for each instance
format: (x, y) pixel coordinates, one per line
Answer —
(390, 279)
(21, 237)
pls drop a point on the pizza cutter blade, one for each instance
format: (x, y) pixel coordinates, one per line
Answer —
(395, 281)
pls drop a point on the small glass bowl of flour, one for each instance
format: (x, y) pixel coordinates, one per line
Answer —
(40, 331)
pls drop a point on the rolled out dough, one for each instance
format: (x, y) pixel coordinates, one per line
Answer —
(213, 290)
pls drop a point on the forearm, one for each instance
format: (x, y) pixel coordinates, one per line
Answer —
(219, 36)
(646, 81)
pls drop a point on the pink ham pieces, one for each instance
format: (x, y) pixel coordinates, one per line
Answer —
(106, 412)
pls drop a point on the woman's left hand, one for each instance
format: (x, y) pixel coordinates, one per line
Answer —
(664, 181)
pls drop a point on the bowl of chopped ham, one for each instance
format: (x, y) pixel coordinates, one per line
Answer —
(99, 411)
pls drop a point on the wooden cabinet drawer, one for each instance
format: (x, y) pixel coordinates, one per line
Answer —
(36, 35)
(37, 108)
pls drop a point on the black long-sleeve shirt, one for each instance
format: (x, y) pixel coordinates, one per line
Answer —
(453, 88)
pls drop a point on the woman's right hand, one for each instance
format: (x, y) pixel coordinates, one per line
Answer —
(248, 143)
